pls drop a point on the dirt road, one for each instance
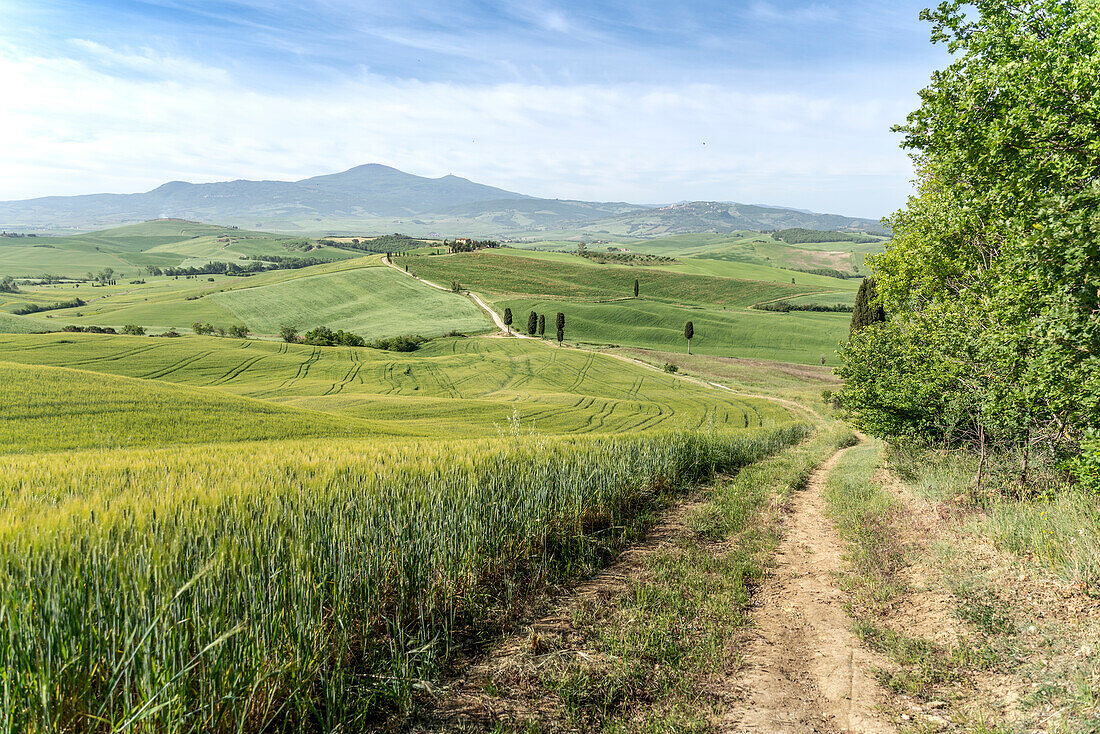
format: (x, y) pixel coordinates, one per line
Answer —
(804, 669)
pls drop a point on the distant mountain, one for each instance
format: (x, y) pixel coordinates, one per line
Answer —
(377, 198)
(723, 217)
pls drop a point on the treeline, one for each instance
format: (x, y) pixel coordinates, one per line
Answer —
(323, 336)
(395, 242)
(799, 236)
(629, 258)
(470, 245)
(39, 307)
(828, 273)
(218, 267)
(786, 306)
(991, 284)
(238, 331)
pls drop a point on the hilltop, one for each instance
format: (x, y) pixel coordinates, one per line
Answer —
(377, 198)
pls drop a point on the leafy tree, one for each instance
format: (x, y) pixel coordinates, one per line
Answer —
(133, 330)
(635, 287)
(867, 310)
(532, 323)
(689, 333)
(7, 285)
(239, 331)
(289, 334)
(991, 278)
(542, 324)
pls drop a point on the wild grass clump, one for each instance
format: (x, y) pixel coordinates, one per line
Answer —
(1046, 519)
(298, 587)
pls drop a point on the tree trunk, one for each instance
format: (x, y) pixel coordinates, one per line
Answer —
(1025, 458)
(981, 456)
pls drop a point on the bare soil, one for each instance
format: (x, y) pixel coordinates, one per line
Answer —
(804, 670)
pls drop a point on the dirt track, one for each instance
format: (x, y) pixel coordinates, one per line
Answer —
(804, 670)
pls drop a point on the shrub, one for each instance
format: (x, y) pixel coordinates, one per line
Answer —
(405, 343)
(289, 334)
(39, 307)
(239, 331)
(322, 336)
(133, 330)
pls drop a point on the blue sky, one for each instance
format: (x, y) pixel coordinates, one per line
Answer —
(777, 102)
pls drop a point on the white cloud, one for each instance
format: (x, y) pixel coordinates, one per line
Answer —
(129, 120)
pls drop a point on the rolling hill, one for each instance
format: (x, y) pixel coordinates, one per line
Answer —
(377, 198)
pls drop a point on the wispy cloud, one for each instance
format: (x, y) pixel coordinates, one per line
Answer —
(647, 101)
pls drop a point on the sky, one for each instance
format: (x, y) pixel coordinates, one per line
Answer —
(779, 102)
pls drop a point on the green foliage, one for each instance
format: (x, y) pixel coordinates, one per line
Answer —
(798, 236)
(133, 330)
(787, 307)
(40, 307)
(542, 324)
(689, 331)
(991, 278)
(288, 334)
(7, 285)
(635, 287)
(239, 331)
(1085, 467)
(322, 336)
(532, 323)
(404, 343)
(867, 310)
(507, 317)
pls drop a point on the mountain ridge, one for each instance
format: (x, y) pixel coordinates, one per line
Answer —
(374, 196)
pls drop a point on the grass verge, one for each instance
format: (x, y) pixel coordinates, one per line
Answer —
(645, 655)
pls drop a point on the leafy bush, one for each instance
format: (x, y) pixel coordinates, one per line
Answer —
(1085, 467)
(39, 307)
(323, 336)
(133, 330)
(404, 343)
(90, 329)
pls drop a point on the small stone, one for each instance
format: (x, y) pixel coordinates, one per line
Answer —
(905, 717)
(936, 704)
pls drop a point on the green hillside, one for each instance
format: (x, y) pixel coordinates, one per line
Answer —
(503, 272)
(129, 249)
(58, 408)
(452, 387)
(799, 337)
(600, 308)
(353, 294)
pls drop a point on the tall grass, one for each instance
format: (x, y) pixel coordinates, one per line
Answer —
(297, 587)
(1048, 520)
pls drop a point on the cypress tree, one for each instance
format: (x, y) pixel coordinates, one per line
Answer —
(689, 332)
(532, 323)
(561, 327)
(635, 287)
(866, 311)
(508, 319)
(542, 324)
